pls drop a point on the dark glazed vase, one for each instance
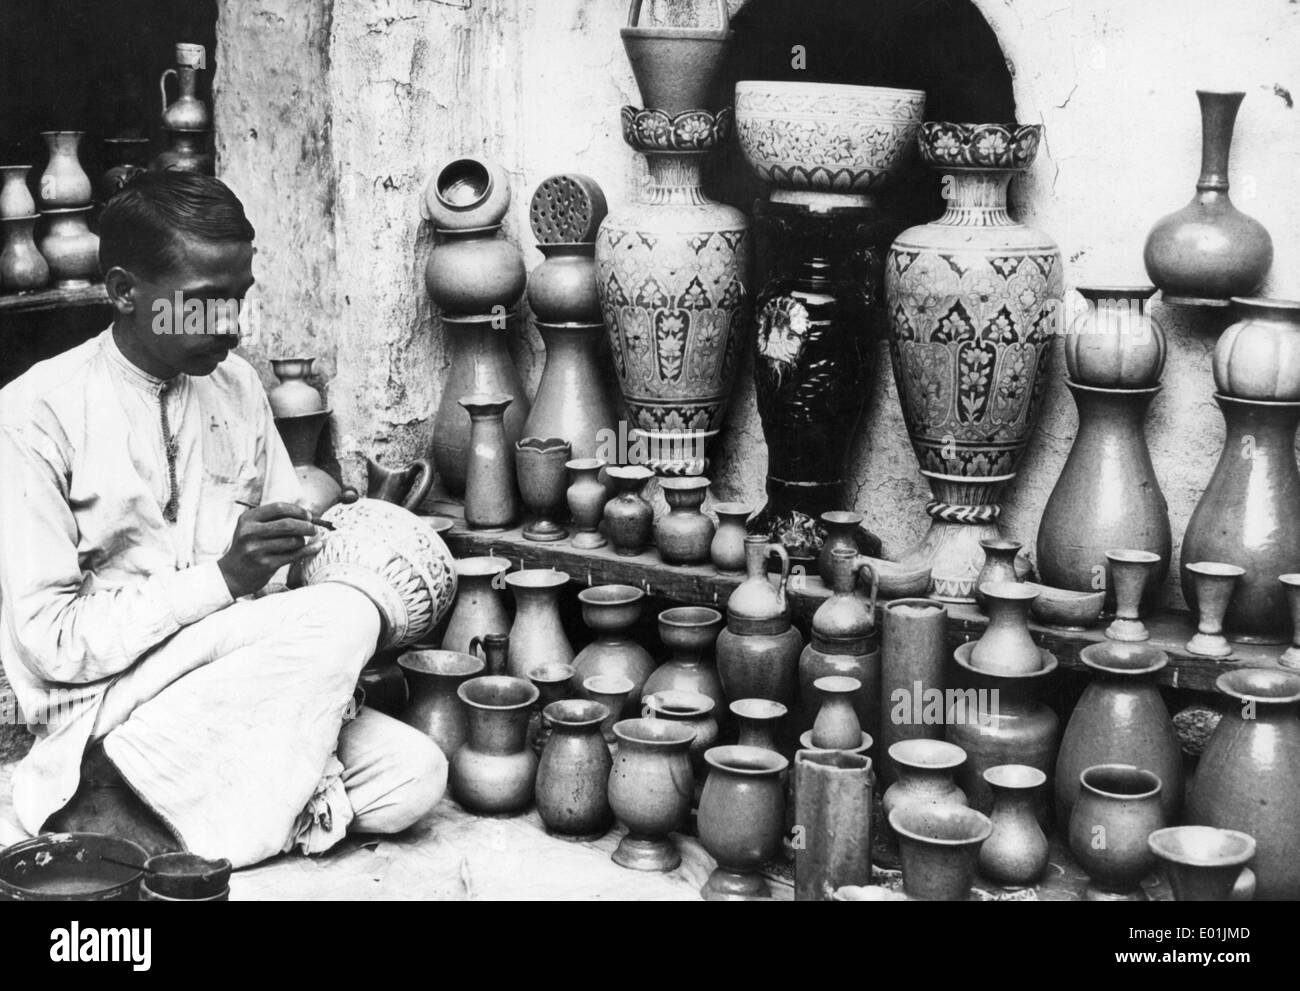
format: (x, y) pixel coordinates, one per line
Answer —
(1246, 779)
(820, 323)
(479, 363)
(1120, 719)
(1209, 251)
(1107, 496)
(1249, 516)
(629, 520)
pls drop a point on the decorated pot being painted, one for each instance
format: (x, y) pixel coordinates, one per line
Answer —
(974, 302)
(672, 273)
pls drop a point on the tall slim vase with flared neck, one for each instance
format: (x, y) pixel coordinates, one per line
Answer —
(1107, 495)
(1249, 516)
(572, 401)
(974, 300)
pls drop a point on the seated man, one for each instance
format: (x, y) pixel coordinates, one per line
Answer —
(169, 705)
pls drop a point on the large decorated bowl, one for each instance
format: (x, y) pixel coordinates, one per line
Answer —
(394, 558)
(825, 137)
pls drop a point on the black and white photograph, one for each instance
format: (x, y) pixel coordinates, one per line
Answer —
(652, 450)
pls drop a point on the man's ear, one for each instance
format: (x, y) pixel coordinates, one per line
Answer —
(120, 285)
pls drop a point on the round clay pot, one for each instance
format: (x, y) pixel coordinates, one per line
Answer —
(467, 193)
(1115, 344)
(1258, 357)
(683, 535)
(472, 271)
(610, 611)
(650, 791)
(741, 817)
(1117, 809)
(493, 772)
(1015, 854)
(573, 776)
(435, 708)
(562, 289)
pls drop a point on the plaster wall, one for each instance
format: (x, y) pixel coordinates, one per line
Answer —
(332, 114)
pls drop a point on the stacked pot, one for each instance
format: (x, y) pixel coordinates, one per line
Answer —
(186, 121)
(300, 416)
(68, 251)
(475, 277)
(1107, 496)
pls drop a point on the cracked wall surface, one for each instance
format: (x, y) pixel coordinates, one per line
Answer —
(332, 114)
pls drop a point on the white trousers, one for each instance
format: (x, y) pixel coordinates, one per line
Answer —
(234, 731)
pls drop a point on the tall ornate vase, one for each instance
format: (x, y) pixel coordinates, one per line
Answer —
(479, 363)
(1108, 495)
(974, 303)
(1249, 516)
(572, 401)
(672, 273)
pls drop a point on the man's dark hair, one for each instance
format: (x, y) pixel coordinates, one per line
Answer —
(142, 226)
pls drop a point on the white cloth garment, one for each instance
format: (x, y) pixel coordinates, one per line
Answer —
(92, 577)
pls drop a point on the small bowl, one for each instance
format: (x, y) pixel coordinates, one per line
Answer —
(1066, 609)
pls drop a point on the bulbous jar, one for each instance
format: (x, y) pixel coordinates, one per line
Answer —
(684, 534)
(294, 395)
(472, 271)
(22, 267)
(1209, 251)
(64, 182)
(1015, 854)
(629, 520)
(1113, 343)
(562, 289)
(1258, 357)
(1252, 756)
(69, 247)
(466, 193)
(493, 773)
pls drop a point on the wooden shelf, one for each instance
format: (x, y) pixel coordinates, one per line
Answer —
(53, 299)
(701, 585)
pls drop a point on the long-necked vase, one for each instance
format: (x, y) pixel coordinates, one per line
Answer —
(974, 301)
(758, 652)
(1107, 495)
(1249, 516)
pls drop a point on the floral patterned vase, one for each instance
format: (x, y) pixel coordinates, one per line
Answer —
(974, 302)
(672, 274)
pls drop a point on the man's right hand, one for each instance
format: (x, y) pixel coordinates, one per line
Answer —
(266, 539)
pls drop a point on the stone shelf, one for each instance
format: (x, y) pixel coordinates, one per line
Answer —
(53, 299)
(701, 585)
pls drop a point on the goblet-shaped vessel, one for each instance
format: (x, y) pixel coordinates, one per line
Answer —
(1214, 583)
(540, 468)
(650, 790)
(1203, 863)
(742, 813)
(937, 847)
(1130, 571)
